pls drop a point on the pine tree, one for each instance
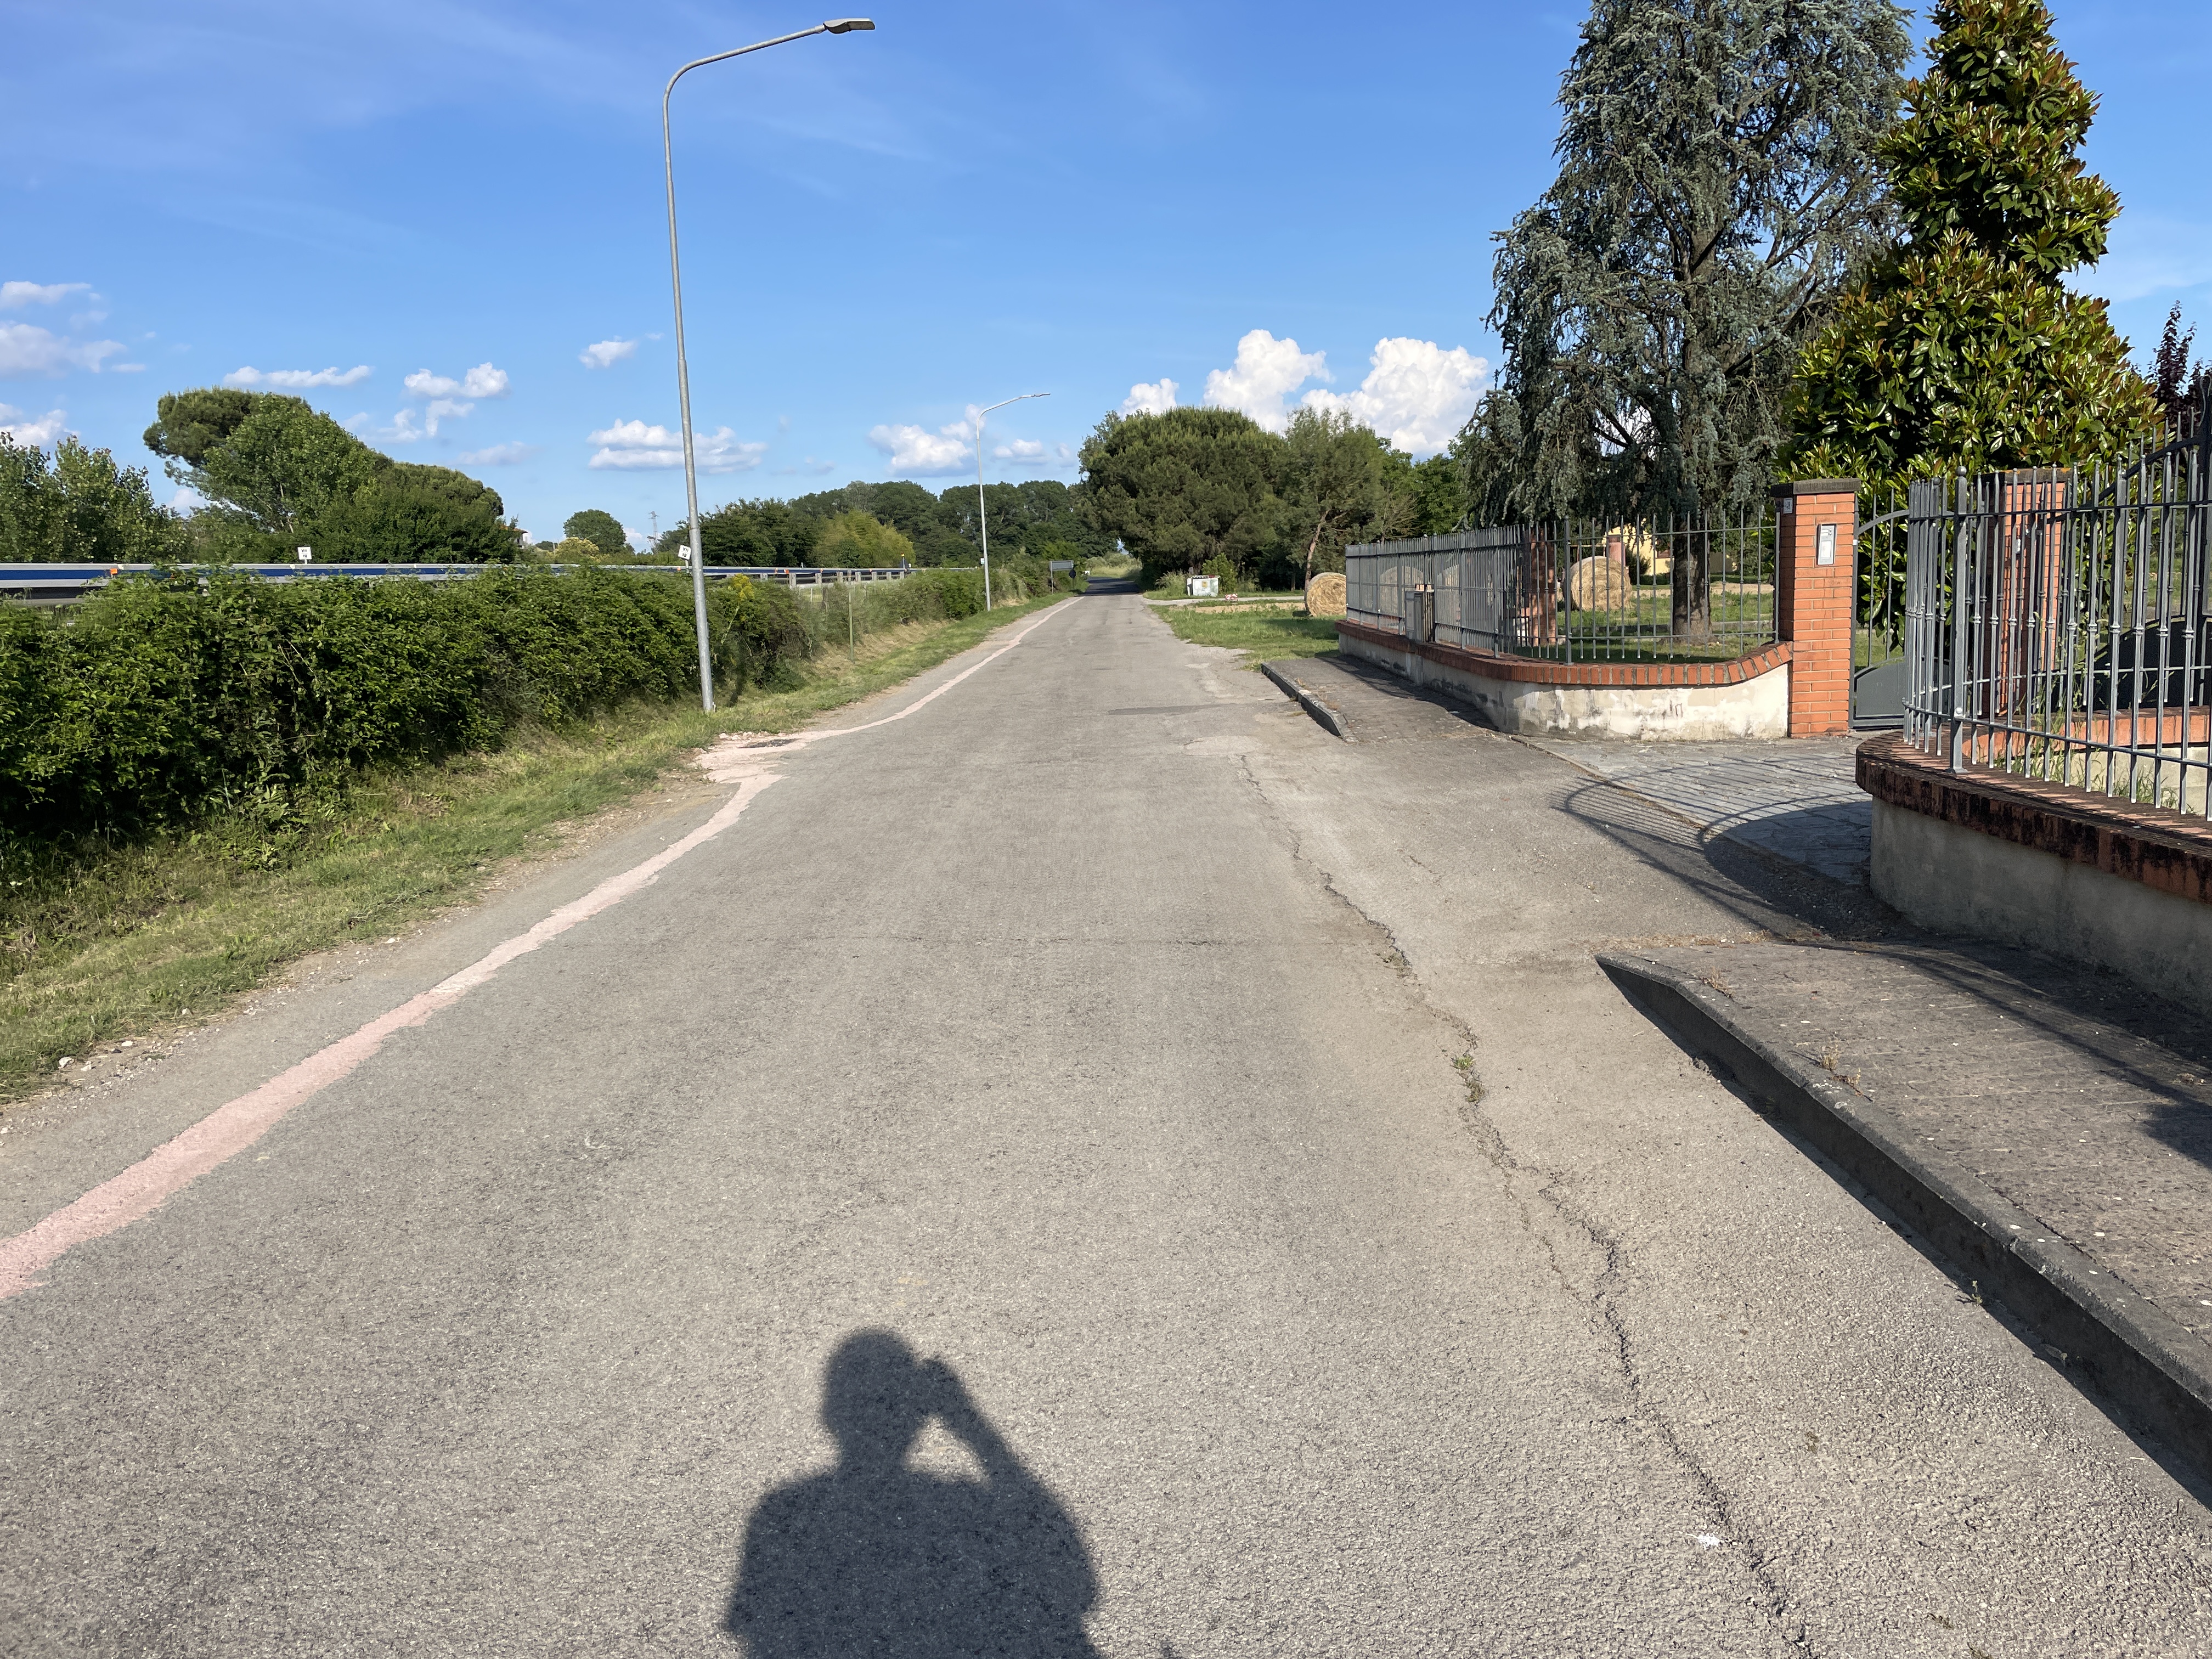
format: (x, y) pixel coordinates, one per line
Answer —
(1961, 350)
(1715, 172)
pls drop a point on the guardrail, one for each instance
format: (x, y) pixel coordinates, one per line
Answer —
(61, 584)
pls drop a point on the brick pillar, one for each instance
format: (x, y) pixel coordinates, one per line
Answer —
(1813, 600)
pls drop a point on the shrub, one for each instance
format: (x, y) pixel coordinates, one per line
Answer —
(158, 701)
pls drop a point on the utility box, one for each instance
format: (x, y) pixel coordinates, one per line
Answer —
(1421, 615)
(1202, 587)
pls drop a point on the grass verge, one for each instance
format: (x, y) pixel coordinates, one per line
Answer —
(1266, 635)
(134, 938)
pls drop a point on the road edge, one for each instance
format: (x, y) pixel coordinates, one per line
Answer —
(1325, 717)
(2137, 1353)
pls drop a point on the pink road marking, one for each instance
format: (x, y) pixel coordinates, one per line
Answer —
(231, 1128)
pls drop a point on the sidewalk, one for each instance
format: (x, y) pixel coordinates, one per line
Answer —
(2049, 1130)
(1796, 800)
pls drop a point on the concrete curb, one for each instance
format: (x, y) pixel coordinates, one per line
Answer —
(1328, 720)
(2134, 1351)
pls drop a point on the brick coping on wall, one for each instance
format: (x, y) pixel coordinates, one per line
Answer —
(2157, 845)
(1539, 670)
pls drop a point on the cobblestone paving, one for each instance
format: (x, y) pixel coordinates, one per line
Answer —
(1796, 799)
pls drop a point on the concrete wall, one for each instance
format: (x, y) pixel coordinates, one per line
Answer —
(1756, 708)
(1954, 880)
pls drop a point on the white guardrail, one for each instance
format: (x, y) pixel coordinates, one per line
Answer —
(59, 584)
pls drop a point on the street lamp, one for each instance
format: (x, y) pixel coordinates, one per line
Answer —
(983, 527)
(836, 26)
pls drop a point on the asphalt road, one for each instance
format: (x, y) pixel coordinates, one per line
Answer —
(1098, 1164)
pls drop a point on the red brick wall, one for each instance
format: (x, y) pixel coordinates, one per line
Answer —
(1813, 604)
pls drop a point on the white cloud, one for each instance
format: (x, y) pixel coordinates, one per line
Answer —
(497, 455)
(32, 431)
(482, 382)
(912, 450)
(186, 500)
(403, 429)
(632, 446)
(298, 379)
(1267, 371)
(1151, 397)
(2150, 255)
(13, 294)
(606, 353)
(25, 348)
(1023, 452)
(1416, 394)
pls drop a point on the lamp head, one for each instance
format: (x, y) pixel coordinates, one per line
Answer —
(847, 25)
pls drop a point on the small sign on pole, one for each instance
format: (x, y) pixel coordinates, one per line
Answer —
(306, 555)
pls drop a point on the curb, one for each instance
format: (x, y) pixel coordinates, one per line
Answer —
(2137, 1353)
(1326, 717)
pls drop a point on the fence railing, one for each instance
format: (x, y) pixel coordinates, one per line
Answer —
(2057, 625)
(1661, 589)
(58, 584)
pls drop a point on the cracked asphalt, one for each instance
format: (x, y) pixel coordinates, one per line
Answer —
(1317, 1255)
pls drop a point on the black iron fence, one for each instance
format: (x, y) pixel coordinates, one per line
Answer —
(2056, 624)
(1656, 590)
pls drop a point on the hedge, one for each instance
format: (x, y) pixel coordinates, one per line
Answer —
(158, 701)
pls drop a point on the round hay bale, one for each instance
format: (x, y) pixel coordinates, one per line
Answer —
(1325, 594)
(1598, 584)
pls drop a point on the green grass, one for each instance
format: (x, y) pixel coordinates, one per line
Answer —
(123, 941)
(1266, 636)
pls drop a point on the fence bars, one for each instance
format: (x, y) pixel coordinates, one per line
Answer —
(1660, 589)
(2057, 625)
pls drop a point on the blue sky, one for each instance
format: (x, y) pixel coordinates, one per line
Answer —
(447, 205)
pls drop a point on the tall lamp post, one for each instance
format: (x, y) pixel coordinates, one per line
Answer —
(835, 26)
(982, 524)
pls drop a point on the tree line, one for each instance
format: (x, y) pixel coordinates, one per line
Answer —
(275, 473)
(897, 523)
(1765, 255)
(1211, 490)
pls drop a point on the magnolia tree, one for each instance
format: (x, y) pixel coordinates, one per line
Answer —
(1961, 350)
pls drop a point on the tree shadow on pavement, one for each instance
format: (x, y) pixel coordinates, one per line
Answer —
(1765, 890)
(2137, 1037)
(877, 1556)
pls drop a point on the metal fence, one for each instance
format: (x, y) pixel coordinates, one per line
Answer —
(1578, 591)
(60, 584)
(2056, 624)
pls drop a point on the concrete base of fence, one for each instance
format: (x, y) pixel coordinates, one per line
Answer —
(1683, 703)
(1991, 856)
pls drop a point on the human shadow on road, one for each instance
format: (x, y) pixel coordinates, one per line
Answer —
(876, 1557)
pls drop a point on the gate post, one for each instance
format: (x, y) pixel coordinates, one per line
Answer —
(1815, 520)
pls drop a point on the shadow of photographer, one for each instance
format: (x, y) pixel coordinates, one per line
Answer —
(876, 1557)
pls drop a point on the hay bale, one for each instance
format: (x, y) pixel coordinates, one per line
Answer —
(1325, 594)
(1597, 583)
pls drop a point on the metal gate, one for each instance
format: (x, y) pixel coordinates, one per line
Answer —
(1878, 662)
